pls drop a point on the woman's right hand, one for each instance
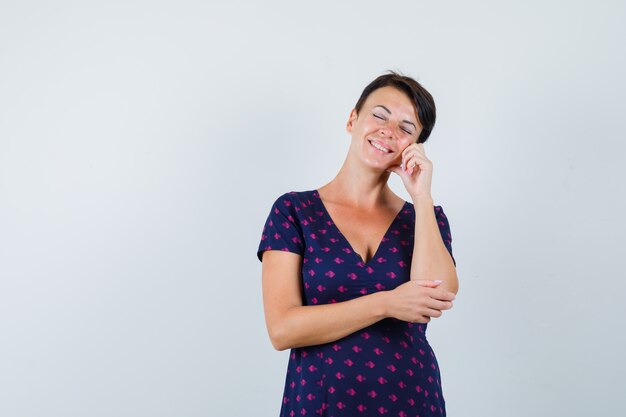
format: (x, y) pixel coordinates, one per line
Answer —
(416, 301)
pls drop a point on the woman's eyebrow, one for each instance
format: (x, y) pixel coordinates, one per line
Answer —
(406, 121)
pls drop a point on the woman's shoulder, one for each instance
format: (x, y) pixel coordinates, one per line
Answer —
(296, 202)
(296, 196)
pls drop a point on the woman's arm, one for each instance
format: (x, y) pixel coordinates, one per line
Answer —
(291, 324)
(431, 259)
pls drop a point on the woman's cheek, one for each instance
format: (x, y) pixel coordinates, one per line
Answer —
(397, 160)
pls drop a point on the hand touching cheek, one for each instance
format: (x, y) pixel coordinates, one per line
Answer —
(416, 171)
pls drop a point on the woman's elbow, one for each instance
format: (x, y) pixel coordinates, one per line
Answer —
(455, 288)
(278, 337)
(277, 346)
(451, 285)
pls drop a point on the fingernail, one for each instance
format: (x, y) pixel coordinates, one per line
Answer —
(438, 281)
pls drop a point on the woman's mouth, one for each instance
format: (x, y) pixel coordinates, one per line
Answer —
(379, 147)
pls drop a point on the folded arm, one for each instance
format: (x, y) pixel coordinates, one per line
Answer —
(291, 324)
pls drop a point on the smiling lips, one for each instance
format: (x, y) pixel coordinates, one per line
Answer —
(379, 146)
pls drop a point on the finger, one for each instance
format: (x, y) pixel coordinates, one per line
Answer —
(407, 151)
(417, 157)
(443, 295)
(412, 164)
(431, 312)
(413, 159)
(421, 319)
(413, 149)
(412, 146)
(441, 305)
(405, 162)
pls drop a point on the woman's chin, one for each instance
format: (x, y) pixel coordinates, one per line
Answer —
(378, 166)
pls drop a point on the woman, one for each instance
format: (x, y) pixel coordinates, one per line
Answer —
(352, 273)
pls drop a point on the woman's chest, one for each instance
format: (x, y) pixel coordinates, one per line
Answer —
(333, 271)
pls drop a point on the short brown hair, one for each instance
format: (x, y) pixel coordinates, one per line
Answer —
(422, 100)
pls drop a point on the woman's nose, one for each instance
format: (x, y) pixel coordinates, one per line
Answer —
(385, 131)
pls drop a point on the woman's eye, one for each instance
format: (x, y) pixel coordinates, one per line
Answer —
(407, 131)
(379, 116)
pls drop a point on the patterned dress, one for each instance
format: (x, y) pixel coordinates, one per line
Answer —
(387, 368)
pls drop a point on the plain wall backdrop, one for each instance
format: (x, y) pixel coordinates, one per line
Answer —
(142, 144)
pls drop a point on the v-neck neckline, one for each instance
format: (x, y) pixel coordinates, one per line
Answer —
(345, 239)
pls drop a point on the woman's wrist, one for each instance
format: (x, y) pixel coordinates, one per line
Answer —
(423, 199)
(417, 199)
(381, 304)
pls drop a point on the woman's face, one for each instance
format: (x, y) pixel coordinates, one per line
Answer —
(387, 120)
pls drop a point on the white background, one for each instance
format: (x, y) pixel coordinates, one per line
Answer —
(142, 144)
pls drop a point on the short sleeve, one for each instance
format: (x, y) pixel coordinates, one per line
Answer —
(444, 229)
(282, 230)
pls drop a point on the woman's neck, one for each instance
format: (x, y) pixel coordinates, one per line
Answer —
(360, 187)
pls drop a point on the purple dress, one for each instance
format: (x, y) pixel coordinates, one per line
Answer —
(387, 368)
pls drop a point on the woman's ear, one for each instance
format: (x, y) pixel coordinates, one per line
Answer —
(351, 120)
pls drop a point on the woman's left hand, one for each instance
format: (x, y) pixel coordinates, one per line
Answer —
(418, 173)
